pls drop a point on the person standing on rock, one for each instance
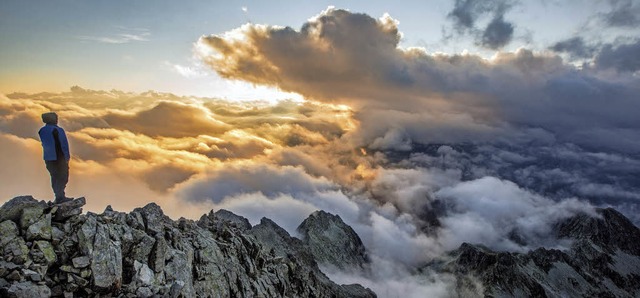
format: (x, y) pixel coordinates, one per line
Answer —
(55, 149)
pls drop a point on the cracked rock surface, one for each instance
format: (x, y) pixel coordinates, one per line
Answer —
(56, 250)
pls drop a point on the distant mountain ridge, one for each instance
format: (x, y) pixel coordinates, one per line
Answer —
(603, 261)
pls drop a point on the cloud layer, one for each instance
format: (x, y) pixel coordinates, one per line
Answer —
(354, 59)
(418, 151)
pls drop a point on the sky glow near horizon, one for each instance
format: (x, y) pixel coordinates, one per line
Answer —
(423, 124)
(146, 45)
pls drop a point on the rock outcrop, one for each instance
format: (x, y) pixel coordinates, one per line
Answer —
(55, 250)
(602, 261)
(332, 241)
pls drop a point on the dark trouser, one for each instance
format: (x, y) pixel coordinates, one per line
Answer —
(59, 170)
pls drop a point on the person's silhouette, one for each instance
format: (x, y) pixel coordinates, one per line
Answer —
(55, 149)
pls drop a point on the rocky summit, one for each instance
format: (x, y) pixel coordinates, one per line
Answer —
(332, 242)
(57, 251)
(51, 250)
(603, 260)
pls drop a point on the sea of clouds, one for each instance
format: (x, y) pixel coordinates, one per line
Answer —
(419, 152)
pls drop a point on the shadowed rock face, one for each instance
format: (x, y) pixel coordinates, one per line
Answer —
(332, 241)
(603, 261)
(56, 250)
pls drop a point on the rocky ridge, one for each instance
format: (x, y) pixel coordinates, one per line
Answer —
(56, 250)
(332, 241)
(602, 261)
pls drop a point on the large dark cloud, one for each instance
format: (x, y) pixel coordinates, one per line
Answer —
(575, 46)
(454, 147)
(496, 34)
(460, 94)
(622, 57)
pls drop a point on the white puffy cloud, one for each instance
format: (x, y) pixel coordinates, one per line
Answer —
(417, 151)
(489, 211)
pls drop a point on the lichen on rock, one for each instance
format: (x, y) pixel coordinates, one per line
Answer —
(59, 251)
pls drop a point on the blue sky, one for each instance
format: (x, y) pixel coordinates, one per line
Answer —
(508, 114)
(147, 45)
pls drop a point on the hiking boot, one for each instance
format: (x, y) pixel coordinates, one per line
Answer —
(62, 200)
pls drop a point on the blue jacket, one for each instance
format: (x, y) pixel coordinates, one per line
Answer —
(49, 143)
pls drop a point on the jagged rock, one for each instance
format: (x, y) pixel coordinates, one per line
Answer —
(144, 292)
(142, 249)
(28, 290)
(86, 235)
(12, 210)
(14, 275)
(299, 259)
(107, 260)
(31, 275)
(603, 261)
(69, 209)
(6, 267)
(144, 275)
(332, 241)
(8, 231)
(81, 262)
(57, 235)
(86, 273)
(153, 218)
(44, 251)
(158, 254)
(356, 290)
(70, 269)
(144, 254)
(81, 282)
(175, 289)
(41, 229)
(275, 238)
(30, 215)
(16, 251)
(611, 230)
(237, 220)
(179, 269)
(134, 220)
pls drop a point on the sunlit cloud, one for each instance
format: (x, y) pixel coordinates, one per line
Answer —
(418, 151)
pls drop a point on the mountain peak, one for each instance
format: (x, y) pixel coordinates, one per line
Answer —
(609, 229)
(56, 250)
(333, 242)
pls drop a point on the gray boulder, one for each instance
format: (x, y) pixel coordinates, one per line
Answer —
(81, 262)
(28, 290)
(40, 229)
(12, 210)
(30, 215)
(106, 264)
(8, 231)
(69, 209)
(153, 217)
